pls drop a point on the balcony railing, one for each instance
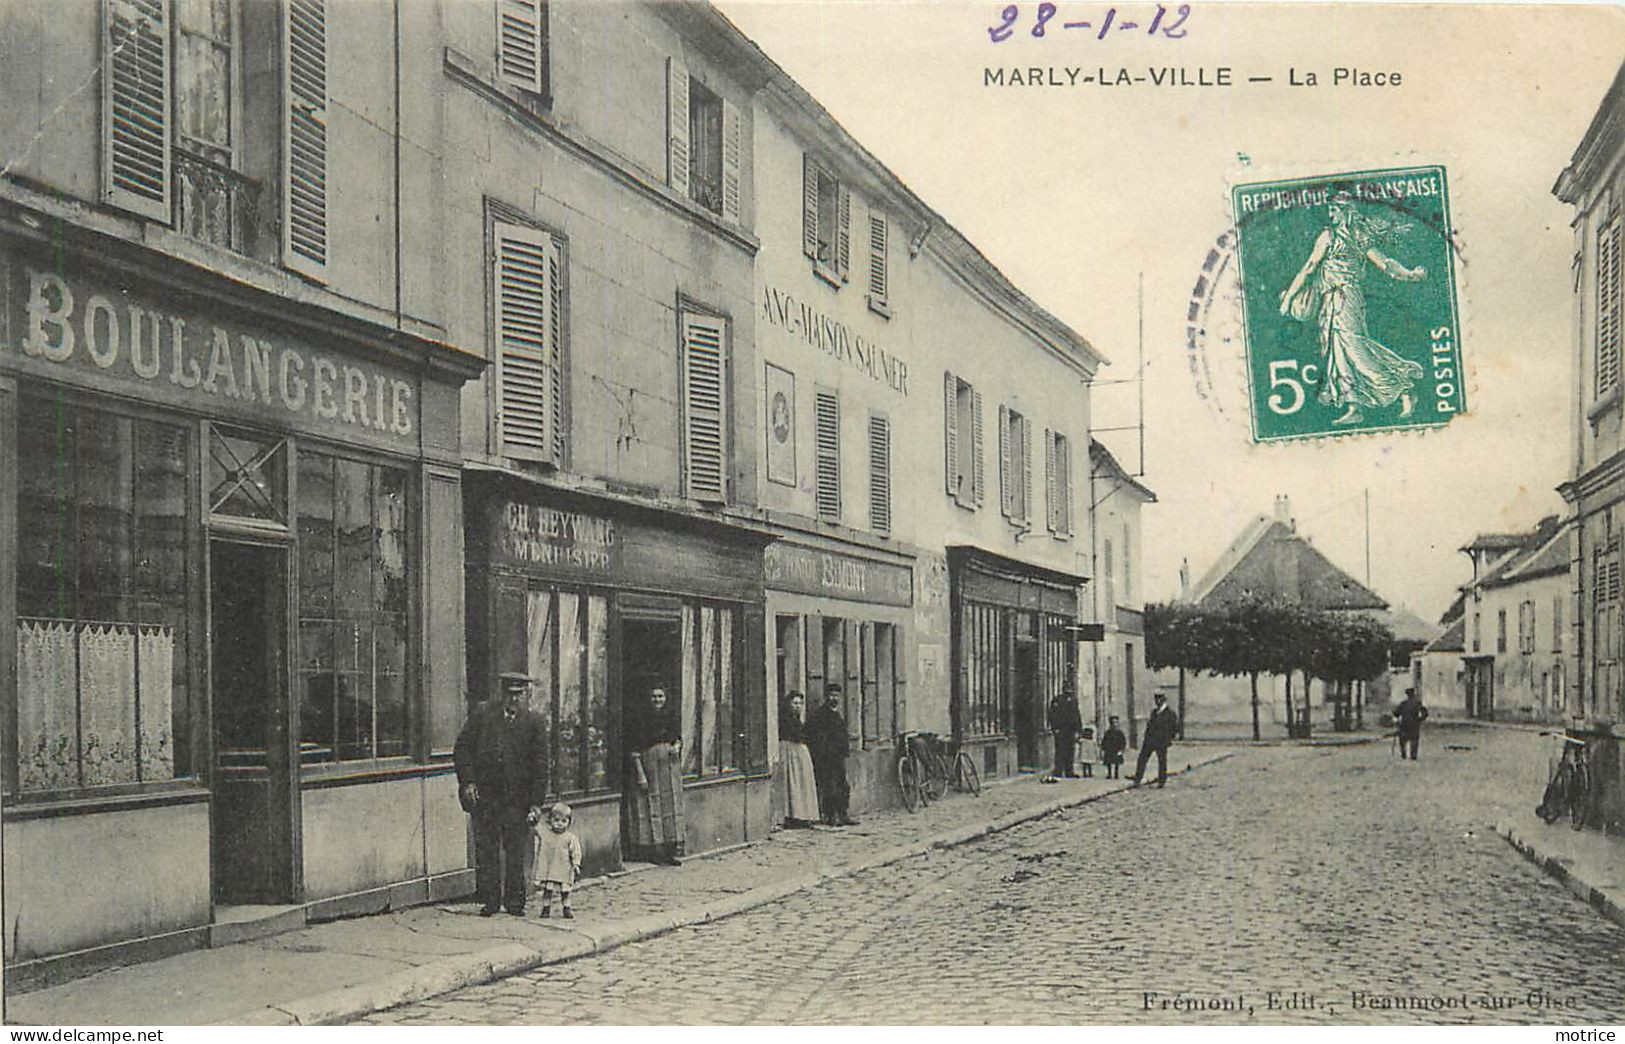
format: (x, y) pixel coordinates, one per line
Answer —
(216, 204)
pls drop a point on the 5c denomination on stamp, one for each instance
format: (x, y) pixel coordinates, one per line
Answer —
(1349, 303)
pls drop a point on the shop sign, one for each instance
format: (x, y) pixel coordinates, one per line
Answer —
(196, 361)
(787, 567)
(833, 337)
(529, 535)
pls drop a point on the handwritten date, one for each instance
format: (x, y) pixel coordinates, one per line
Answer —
(1170, 24)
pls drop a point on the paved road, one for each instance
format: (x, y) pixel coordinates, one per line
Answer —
(1268, 888)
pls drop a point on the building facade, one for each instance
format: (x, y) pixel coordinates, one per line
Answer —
(1515, 659)
(1593, 183)
(1121, 683)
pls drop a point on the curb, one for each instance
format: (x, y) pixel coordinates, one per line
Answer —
(1561, 870)
(498, 962)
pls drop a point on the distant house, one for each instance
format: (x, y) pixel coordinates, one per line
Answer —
(1514, 625)
(1437, 670)
(1114, 669)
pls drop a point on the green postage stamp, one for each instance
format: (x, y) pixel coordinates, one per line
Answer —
(1349, 303)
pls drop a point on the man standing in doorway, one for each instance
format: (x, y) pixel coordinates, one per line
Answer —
(1408, 719)
(501, 757)
(1160, 728)
(1064, 722)
(826, 738)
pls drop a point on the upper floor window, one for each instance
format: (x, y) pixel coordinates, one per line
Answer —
(1501, 631)
(705, 406)
(827, 453)
(1557, 624)
(1609, 308)
(1478, 631)
(1108, 572)
(704, 143)
(879, 270)
(1015, 467)
(1058, 482)
(528, 281)
(826, 222)
(522, 44)
(880, 473)
(176, 122)
(1526, 626)
(962, 424)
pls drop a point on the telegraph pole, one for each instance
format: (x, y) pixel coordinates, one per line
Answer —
(1368, 536)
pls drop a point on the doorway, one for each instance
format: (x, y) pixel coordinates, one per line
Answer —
(254, 811)
(1027, 694)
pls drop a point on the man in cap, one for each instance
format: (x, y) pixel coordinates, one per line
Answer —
(827, 739)
(1160, 728)
(1408, 719)
(501, 757)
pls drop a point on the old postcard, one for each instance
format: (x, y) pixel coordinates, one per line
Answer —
(804, 512)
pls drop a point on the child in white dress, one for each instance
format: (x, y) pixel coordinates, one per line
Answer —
(558, 859)
(1088, 751)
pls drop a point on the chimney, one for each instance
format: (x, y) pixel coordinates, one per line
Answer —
(1283, 512)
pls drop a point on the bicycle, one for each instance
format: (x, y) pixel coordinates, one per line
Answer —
(1570, 787)
(911, 769)
(925, 769)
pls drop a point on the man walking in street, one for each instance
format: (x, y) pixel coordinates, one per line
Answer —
(501, 758)
(1160, 728)
(827, 740)
(1408, 719)
(1065, 722)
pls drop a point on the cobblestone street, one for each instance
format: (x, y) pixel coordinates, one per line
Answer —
(1274, 887)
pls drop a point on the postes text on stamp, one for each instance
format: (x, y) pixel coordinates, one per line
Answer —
(1349, 303)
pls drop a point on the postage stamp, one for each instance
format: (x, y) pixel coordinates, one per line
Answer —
(1349, 303)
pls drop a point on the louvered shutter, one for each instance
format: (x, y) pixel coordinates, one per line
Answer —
(1051, 501)
(976, 448)
(950, 427)
(136, 107)
(809, 206)
(304, 141)
(879, 473)
(1026, 434)
(555, 351)
(827, 446)
(705, 434)
(1006, 485)
(522, 44)
(677, 130)
(852, 683)
(877, 259)
(527, 400)
(843, 232)
(1608, 306)
(733, 149)
(1063, 466)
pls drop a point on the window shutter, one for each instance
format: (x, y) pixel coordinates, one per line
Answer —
(304, 143)
(852, 683)
(827, 445)
(136, 107)
(1051, 501)
(733, 147)
(1063, 464)
(879, 473)
(950, 427)
(1608, 306)
(877, 259)
(1026, 435)
(555, 353)
(527, 401)
(677, 141)
(522, 44)
(705, 406)
(976, 447)
(809, 206)
(843, 232)
(1006, 486)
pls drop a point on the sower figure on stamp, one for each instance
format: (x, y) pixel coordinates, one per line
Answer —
(1408, 719)
(826, 737)
(1065, 721)
(501, 758)
(1356, 369)
(1160, 728)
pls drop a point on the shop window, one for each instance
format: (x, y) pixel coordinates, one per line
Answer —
(1058, 482)
(354, 557)
(1015, 467)
(984, 645)
(827, 453)
(880, 473)
(528, 281)
(962, 423)
(710, 689)
(522, 51)
(704, 372)
(248, 476)
(1610, 309)
(704, 143)
(881, 685)
(826, 222)
(102, 599)
(567, 652)
(787, 655)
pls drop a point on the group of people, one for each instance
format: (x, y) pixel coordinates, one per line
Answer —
(502, 782)
(1076, 746)
(813, 749)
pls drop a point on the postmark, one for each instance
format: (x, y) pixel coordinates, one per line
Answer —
(1349, 303)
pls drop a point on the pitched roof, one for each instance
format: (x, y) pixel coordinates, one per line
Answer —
(1453, 640)
(1406, 625)
(1103, 460)
(1270, 559)
(1547, 558)
(1496, 542)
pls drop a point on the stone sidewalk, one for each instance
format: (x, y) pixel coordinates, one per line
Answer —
(1589, 864)
(328, 973)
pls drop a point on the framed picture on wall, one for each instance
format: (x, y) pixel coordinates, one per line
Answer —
(781, 425)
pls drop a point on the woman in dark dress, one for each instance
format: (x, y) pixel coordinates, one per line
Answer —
(655, 797)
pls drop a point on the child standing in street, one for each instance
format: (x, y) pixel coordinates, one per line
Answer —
(1088, 752)
(558, 859)
(1112, 745)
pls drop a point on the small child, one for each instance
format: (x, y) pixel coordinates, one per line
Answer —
(1112, 745)
(1088, 752)
(558, 859)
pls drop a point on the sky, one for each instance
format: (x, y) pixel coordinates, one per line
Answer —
(1082, 195)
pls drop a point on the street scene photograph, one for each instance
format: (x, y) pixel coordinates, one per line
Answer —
(626, 513)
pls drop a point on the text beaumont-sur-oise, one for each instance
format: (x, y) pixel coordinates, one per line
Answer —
(159, 347)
